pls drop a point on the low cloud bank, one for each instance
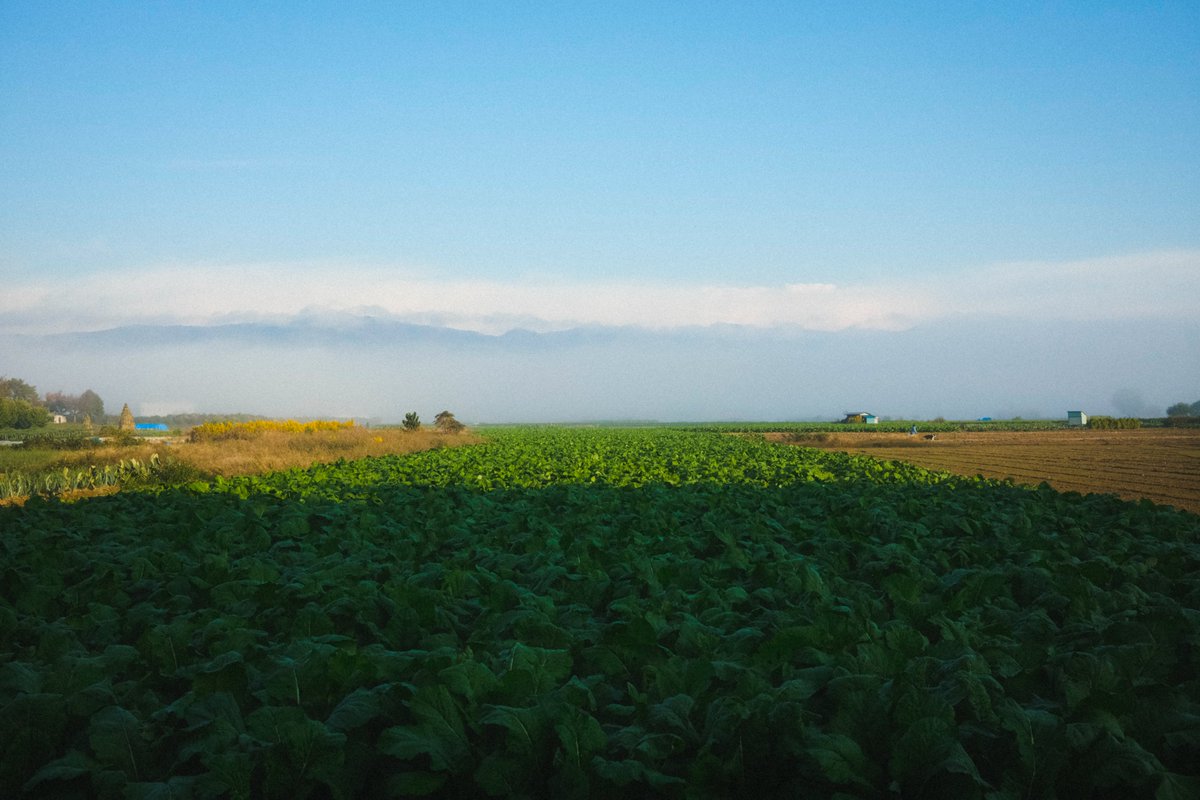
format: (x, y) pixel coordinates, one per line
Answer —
(957, 369)
(1161, 285)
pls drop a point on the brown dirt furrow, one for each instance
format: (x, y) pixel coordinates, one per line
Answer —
(1087, 478)
(1050, 471)
(1086, 483)
(1160, 465)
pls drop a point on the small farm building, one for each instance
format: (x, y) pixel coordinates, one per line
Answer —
(151, 426)
(860, 417)
(1076, 418)
(58, 419)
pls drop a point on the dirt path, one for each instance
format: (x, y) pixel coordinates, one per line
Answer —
(1162, 464)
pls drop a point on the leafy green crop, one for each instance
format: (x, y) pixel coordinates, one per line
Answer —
(600, 613)
(65, 479)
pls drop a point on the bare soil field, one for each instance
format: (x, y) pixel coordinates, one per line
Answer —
(1162, 465)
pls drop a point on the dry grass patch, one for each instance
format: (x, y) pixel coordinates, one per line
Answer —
(275, 450)
(264, 452)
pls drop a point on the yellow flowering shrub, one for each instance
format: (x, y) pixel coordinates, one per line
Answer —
(217, 431)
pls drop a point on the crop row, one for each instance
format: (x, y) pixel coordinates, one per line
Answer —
(46, 432)
(16, 483)
(600, 614)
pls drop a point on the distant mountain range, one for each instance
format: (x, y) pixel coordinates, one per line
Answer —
(350, 365)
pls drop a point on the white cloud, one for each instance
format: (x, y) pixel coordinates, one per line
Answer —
(1162, 284)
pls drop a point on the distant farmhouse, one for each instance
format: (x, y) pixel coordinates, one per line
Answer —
(860, 417)
(1076, 419)
(58, 419)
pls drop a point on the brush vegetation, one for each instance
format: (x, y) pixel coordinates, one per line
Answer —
(68, 465)
(281, 449)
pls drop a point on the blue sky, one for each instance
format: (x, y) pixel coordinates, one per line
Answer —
(487, 165)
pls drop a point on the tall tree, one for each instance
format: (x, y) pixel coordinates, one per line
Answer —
(76, 407)
(90, 405)
(17, 389)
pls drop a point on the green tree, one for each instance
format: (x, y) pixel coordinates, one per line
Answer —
(446, 423)
(1184, 410)
(17, 389)
(22, 414)
(75, 407)
(412, 422)
(90, 405)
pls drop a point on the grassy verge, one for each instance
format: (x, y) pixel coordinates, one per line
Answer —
(69, 474)
(275, 450)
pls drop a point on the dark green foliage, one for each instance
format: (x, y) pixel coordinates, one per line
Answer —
(1114, 423)
(76, 407)
(49, 436)
(17, 389)
(132, 473)
(1184, 410)
(50, 439)
(608, 614)
(412, 422)
(22, 414)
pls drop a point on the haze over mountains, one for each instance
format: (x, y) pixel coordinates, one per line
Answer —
(380, 366)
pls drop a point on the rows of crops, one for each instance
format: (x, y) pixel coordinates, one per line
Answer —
(17, 483)
(600, 613)
(46, 432)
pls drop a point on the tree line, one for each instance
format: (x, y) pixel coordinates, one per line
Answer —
(22, 407)
(444, 422)
(1184, 410)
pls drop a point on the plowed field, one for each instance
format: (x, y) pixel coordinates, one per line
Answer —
(1162, 465)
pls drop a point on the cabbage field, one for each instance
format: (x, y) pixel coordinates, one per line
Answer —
(600, 613)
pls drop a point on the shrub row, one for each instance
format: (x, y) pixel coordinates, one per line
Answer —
(217, 431)
(1114, 423)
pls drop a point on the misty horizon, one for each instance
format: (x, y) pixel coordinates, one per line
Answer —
(367, 368)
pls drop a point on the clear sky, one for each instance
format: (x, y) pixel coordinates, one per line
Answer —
(486, 165)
